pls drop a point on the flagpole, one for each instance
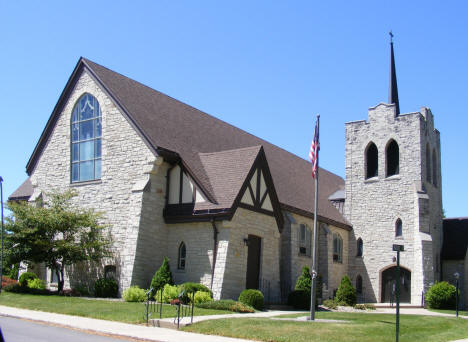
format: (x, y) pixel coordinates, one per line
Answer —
(314, 241)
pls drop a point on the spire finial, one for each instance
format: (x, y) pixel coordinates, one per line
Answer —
(393, 89)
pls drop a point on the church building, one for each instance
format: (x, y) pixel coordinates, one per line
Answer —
(231, 210)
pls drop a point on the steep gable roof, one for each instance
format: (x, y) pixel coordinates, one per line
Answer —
(170, 125)
(23, 193)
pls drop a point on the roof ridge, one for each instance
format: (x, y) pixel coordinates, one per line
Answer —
(264, 142)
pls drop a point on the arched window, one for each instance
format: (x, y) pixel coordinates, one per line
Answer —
(434, 168)
(181, 257)
(359, 247)
(398, 228)
(359, 284)
(86, 140)
(428, 164)
(372, 161)
(392, 157)
(337, 248)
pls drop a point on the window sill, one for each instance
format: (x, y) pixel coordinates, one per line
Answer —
(371, 180)
(90, 182)
(393, 177)
(337, 262)
(303, 255)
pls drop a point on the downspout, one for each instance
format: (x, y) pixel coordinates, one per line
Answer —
(215, 250)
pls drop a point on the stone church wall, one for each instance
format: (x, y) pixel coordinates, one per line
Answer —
(126, 161)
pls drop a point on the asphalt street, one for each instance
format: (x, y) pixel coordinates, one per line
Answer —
(20, 330)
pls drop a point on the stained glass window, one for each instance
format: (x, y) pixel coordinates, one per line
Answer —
(86, 140)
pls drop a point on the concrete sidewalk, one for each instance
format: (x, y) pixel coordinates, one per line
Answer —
(113, 328)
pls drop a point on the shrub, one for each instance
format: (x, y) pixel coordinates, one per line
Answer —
(23, 279)
(134, 294)
(441, 295)
(7, 281)
(346, 293)
(106, 288)
(253, 298)
(299, 299)
(202, 297)
(81, 290)
(226, 304)
(170, 292)
(14, 272)
(370, 306)
(36, 284)
(304, 282)
(360, 307)
(69, 293)
(17, 288)
(162, 277)
(190, 287)
(330, 303)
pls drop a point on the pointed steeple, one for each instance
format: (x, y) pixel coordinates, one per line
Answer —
(393, 88)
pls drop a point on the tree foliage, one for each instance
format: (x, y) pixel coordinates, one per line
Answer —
(56, 233)
(441, 295)
(346, 294)
(162, 277)
(304, 282)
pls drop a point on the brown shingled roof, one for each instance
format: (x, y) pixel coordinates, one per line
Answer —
(23, 193)
(172, 125)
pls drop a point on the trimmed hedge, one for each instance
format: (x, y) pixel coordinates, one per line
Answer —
(106, 288)
(441, 295)
(23, 279)
(134, 294)
(253, 298)
(226, 304)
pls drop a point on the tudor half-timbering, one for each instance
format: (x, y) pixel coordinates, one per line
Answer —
(229, 210)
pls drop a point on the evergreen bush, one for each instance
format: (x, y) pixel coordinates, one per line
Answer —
(441, 295)
(304, 282)
(330, 303)
(162, 277)
(106, 288)
(253, 298)
(346, 293)
(226, 304)
(23, 279)
(134, 294)
(299, 299)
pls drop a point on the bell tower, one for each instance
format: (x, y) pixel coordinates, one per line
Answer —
(393, 195)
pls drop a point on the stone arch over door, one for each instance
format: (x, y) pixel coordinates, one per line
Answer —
(388, 284)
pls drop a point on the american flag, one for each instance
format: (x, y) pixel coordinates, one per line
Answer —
(314, 149)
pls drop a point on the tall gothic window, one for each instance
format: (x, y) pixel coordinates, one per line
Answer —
(398, 228)
(428, 164)
(359, 247)
(86, 140)
(434, 167)
(359, 284)
(392, 154)
(372, 161)
(181, 256)
(337, 248)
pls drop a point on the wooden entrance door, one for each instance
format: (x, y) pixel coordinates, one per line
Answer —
(389, 285)
(253, 262)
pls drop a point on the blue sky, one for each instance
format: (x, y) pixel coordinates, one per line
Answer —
(267, 67)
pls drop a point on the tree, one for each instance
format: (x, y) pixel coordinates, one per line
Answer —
(162, 277)
(304, 282)
(55, 233)
(346, 293)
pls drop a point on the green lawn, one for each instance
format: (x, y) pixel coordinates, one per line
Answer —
(362, 327)
(101, 309)
(452, 312)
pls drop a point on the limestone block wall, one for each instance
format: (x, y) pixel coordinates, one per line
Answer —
(373, 205)
(198, 239)
(332, 272)
(126, 161)
(449, 267)
(243, 223)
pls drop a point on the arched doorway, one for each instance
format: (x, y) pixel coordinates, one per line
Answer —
(389, 285)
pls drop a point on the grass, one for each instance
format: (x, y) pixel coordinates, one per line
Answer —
(452, 312)
(100, 309)
(363, 327)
